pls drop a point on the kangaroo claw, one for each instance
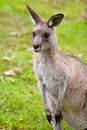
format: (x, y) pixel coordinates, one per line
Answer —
(58, 116)
(49, 116)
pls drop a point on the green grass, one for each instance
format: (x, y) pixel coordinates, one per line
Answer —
(21, 106)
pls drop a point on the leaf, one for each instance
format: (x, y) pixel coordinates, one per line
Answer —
(17, 69)
(6, 58)
(10, 73)
(10, 79)
(15, 34)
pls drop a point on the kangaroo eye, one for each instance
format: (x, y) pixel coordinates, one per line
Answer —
(46, 35)
(34, 34)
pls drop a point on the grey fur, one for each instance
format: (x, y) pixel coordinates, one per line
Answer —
(62, 79)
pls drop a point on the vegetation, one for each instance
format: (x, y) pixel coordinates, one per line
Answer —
(21, 106)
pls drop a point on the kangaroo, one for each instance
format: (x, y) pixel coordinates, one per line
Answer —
(62, 79)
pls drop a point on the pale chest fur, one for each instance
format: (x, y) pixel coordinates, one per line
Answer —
(50, 77)
(51, 74)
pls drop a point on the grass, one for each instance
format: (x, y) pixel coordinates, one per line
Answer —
(21, 106)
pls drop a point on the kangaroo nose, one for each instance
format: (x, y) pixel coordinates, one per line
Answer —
(35, 46)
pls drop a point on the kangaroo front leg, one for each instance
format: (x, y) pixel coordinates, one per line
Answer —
(52, 105)
(58, 114)
(48, 113)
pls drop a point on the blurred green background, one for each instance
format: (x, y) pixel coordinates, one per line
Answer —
(21, 106)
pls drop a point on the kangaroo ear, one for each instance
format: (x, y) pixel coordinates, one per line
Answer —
(35, 17)
(55, 20)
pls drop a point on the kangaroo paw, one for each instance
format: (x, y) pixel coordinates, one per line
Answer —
(49, 116)
(58, 116)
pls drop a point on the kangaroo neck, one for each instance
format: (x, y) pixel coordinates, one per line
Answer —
(51, 54)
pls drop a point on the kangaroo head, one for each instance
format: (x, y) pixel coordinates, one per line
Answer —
(43, 35)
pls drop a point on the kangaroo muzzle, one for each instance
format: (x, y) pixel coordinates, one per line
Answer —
(37, 47)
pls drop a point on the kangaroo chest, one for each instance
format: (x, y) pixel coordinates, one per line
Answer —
(51, 76)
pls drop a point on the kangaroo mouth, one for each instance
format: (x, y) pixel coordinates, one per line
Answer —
(37, 49)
